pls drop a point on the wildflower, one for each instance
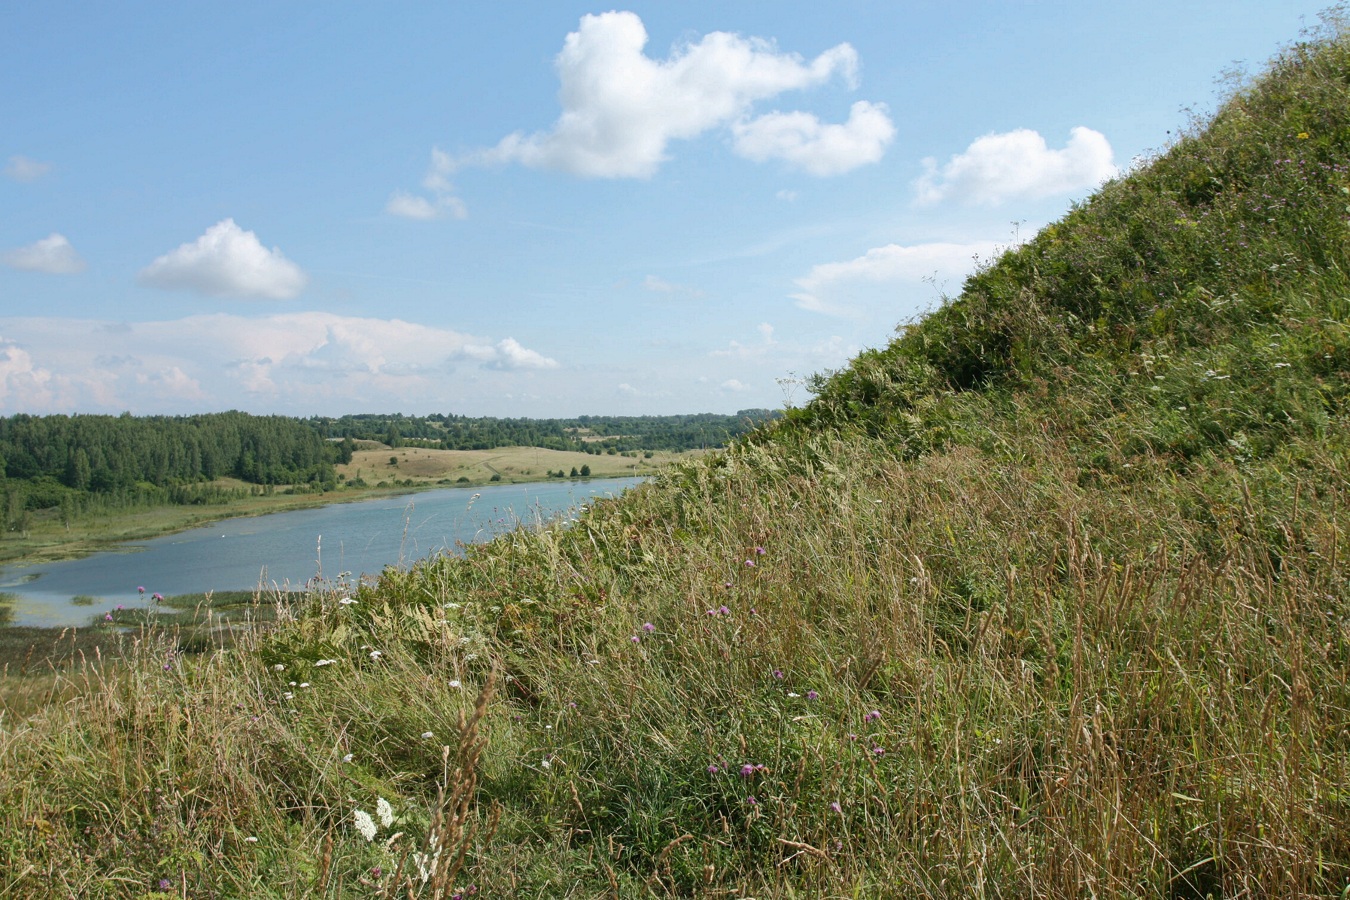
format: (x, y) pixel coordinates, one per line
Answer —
(384, 811)
(348, 758)
(288, 696)
(454, 683)
(751, 800)
(165, 884)
(778, 673)
(879, 751)
(759, 551)
(723, 611)
(648, 627)
(364, 824)
(107, 617)
(793, 694)
(637, 639)
(346, 601)
(750, 563)
(873, 716)
(727, 585)
(156, 597)
(545, 763)
(812, 695)
(304, 684)
(278, 668)
(427, 735)
(835, 807)
(140, 589)
(747, 770)
(1303, 135)
(324, 662)
(250, 840)
(375, 654)
(713, 770)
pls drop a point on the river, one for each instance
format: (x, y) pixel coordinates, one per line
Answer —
(286, 550)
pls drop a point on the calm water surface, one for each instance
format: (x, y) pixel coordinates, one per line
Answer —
(287, 549)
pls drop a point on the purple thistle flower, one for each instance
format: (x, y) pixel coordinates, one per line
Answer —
(812, 695)
(751, 800)
(747, 770)
(107, 617)
(778, 673)
(156, 597)
(722, 610)
(750, 563)
(835, 807)
(713, 770)
(141, 589)
(648, 627)
(165, 884)
(872, 716)
(637, 639)
(759, 551)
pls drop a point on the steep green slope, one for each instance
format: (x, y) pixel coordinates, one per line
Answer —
(1045, 599)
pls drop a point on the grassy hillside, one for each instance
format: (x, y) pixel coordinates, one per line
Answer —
(1047, 598)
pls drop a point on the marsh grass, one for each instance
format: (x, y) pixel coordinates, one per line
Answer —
(1046, 599)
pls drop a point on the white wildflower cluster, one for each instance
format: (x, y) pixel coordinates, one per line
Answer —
(365, 823)
(325, 662)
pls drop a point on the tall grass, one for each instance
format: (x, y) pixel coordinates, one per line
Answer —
(1046, 599)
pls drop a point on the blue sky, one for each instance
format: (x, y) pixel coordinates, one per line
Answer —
(544, 209)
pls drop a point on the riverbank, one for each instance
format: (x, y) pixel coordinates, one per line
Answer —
(372, 473)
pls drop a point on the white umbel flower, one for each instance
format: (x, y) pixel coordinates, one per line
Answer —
(364, 824)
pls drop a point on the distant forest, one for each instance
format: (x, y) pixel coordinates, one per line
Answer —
(83, 463)
(586, 434)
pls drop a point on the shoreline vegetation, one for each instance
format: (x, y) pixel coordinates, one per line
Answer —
(1047, 598)
(375, 470)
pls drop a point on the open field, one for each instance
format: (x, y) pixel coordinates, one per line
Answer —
(423, 466)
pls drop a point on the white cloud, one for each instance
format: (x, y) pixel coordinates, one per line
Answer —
(227, 261)
(299, 363)
(621, 108)
(734, 386)
(998, 167)
(21, 168)
(835, 287)
(804, 142)
(53, 255)
(510, 355)
(442, 201)
(660, 286)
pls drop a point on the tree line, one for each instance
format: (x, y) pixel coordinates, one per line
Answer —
(592, 434)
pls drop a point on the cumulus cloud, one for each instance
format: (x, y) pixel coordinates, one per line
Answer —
(998, 167)
(834, 287)
(21, 168)
(804, 142)
(510, 355)
(296, 362)
(621, 108)
(53, 255)
(227, 261)
(442, 201)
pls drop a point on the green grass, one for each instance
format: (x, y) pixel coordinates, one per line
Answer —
(1048, 598)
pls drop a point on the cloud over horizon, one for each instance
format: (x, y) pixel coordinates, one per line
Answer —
(1000, 167)
(839, 288)
(621, 108)
(298, 362)
(227, 261)
(53, 255)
